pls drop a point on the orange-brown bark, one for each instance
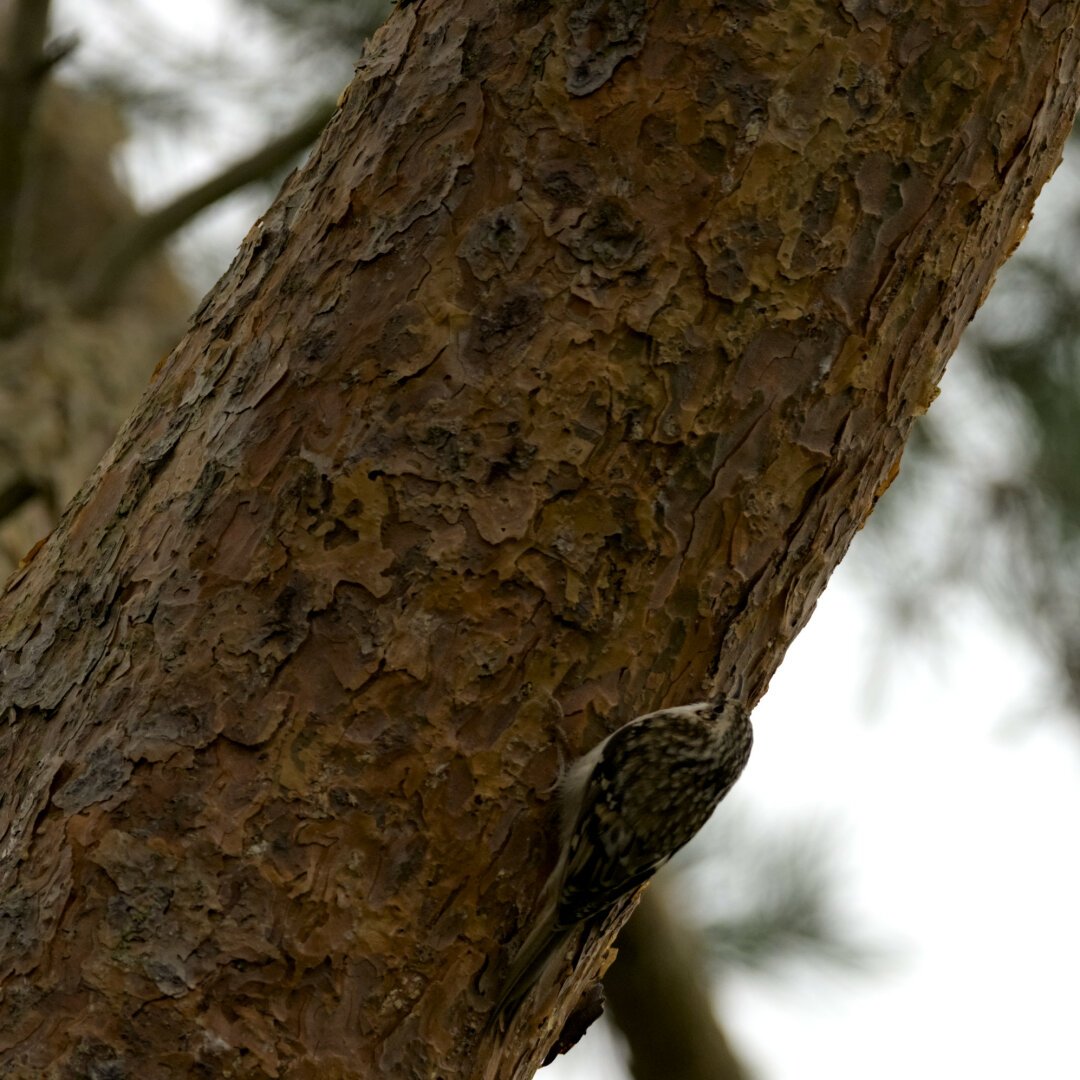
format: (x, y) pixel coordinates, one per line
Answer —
(549, 391)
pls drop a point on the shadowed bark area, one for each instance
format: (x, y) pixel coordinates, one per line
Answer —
(549, 391)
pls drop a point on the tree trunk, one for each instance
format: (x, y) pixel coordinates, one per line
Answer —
(549, 391)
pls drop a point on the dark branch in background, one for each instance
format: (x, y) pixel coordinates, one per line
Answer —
(658, 993)
(15, 494)
(25, 65)
(104, 276)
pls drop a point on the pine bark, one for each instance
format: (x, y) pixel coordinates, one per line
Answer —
(550, 391)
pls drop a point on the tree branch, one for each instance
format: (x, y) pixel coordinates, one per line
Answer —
(25, 65)
(136, 240)
(658, 995)
(15, 494)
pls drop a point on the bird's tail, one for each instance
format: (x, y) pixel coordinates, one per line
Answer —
(547, 940)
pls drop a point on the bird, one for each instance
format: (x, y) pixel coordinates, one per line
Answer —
(625, 807)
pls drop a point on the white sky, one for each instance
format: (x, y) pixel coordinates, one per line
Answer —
(956, 810)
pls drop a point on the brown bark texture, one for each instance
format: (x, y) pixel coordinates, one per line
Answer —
(549, 391)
